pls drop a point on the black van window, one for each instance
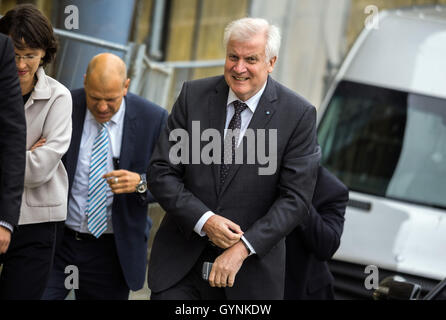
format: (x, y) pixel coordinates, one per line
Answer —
(386, 143)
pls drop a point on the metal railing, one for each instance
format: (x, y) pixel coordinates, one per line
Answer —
(159, 82)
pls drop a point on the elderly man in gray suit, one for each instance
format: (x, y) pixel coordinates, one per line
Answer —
(229, 211)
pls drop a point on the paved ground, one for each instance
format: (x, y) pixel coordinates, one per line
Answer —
(142, 294)
(156, 213)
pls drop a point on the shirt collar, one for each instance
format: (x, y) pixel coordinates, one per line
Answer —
(117, 118)
(252, 102)
(42, 89)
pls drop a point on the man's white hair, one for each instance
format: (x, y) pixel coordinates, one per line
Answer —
(244, 29)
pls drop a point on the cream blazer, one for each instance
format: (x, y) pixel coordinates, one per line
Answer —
(48, 115)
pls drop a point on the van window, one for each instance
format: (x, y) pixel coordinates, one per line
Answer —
(386, 143)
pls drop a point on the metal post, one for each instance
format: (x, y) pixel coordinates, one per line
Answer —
(157, 29)
(136, 72)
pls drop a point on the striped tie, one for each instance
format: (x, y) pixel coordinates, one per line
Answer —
(97, 186)
(228, 156)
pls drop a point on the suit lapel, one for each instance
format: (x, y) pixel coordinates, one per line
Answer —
(128, 136)
(217, 119)
(78, 119)
(263, 114)
(266, 108)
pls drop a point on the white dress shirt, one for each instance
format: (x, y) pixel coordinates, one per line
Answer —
(246, 117)
(7, 226)
(77, 203)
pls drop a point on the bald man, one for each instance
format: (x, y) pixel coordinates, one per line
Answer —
(105, 235)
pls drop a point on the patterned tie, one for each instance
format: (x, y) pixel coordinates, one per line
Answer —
(229, 154)
(97, 186)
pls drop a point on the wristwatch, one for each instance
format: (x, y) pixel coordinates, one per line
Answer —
(142, 185)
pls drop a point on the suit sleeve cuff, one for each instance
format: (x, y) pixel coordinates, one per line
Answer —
(7, 226)
(248, 246)
(200, 224)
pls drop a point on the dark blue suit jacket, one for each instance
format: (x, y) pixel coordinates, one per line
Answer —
(143, 122)
(12, 136)
(309, 248)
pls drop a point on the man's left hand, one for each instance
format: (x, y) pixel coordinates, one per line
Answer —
(227, 265)
(122, 181)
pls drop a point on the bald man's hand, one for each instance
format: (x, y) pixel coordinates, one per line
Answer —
(122, 181)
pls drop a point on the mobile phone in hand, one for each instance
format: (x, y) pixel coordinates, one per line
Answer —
(206, 270)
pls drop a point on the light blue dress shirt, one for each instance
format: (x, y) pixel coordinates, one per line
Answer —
(77, 202)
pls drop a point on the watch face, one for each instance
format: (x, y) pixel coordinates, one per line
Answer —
(142, 188)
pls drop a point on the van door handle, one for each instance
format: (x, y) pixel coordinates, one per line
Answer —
(358, 204)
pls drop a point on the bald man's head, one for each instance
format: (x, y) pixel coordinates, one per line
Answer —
(107, 65)
(105, 84)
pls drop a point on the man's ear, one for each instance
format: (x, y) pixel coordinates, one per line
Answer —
(126, 86)
(272, 63)
(85, 80)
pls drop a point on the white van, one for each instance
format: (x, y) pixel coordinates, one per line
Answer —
(382, 129)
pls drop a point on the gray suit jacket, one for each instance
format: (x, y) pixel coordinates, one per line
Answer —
(267, 207)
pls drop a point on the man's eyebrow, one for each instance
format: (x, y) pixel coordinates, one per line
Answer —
(105, 98)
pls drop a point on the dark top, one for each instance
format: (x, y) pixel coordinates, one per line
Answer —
(310, 247)
(12, 136)
(26, 97)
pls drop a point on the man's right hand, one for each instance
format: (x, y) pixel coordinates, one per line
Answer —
(5, 239)
(222, 232)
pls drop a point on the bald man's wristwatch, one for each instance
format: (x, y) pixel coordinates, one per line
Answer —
(142, 185)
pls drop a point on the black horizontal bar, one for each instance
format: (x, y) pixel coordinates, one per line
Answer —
(362, 205)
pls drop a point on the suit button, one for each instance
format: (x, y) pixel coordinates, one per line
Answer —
(218, 209)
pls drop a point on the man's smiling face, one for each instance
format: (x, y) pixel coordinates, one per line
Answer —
(246, 67)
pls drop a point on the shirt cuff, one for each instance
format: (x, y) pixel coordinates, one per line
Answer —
(248, 246)
(200, 224)
(7, 226)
